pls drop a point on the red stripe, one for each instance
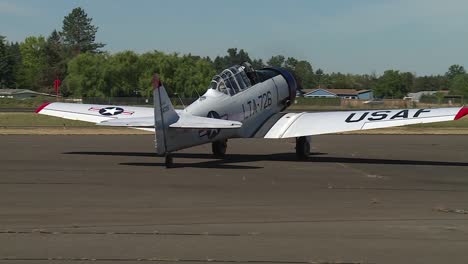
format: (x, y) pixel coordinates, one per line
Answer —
(42, 107)
(156, 81)
(463, 112)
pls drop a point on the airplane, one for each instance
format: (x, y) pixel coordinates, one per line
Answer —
(240, 102)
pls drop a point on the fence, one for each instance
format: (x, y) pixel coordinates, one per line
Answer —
(332, 103)
(318, 101)
(449, 100)
(131, 100)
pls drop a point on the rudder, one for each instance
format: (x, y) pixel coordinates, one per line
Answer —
(164, 115)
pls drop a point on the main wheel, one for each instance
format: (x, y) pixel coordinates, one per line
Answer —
(302, 147)
(219, 148)
(169, 161)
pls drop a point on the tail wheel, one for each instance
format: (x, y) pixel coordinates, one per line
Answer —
(302, 147)
(169, 161)
(219, 148)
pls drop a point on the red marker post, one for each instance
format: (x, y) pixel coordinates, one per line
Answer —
(57, 83)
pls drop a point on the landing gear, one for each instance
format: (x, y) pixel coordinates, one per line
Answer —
(169, 161)
(302, 147)
(219, 148)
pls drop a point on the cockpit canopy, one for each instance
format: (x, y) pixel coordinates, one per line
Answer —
(231, 81)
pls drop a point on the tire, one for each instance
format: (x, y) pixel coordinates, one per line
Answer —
(219, 148)
(169, 161)
(302, 148)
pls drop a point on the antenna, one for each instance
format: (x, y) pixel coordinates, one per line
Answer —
(180, 99)
(197, 93)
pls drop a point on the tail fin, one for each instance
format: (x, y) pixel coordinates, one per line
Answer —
(164, 115)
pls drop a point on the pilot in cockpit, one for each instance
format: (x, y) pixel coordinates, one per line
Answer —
(222, 88)
(251, 74)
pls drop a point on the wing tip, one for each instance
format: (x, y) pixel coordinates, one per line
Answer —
(44, 105)
(463, 112)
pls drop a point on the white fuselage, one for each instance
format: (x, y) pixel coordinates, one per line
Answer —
(252, 107)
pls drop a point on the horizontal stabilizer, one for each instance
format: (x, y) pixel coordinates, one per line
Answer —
(184, 122)
(196, 122)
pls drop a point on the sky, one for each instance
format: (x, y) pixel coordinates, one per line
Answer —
(351, 36)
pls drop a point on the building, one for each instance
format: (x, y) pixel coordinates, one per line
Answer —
(417, 96)
(342, 93)
(20, 94)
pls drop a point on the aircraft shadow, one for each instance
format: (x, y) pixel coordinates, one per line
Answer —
(242, 158)
(216, 164)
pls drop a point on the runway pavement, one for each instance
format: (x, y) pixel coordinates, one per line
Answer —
(358, 199)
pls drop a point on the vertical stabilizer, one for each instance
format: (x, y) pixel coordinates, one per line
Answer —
(164, 115)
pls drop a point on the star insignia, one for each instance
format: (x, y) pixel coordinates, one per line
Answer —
(111, 111)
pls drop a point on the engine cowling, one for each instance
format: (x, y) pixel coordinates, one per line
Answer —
(291, 83)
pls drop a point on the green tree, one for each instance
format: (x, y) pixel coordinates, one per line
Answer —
(87, 76)
(234, 57)
(291, 63)
(129, 74)
(78, 33)
(123, 72)
(192, 76)
(258, 64)
(10, 60)
(459, 85)
(149, 63)
(303, 72)
(391, 85)
(3, 62)
(238, 57)
(454, 71)
(408, 79)
(319, 77)
(430, 83)
(14, 61)
(343, 81)
(185, 75)
(34, 63)
(276, 61)
(301, 69)
(57, 58)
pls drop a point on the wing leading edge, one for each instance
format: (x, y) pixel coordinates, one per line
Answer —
(94, 113)
(308, 124)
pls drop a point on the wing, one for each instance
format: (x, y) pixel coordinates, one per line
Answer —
(94, 113)
(184, 122)
(288, 125)
(128, 116)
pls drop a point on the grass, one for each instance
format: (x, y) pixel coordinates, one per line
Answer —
(36, 120)
(462, 123)
(26, 103)
(35, 124)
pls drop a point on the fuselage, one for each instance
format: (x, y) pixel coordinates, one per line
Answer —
(253, 104)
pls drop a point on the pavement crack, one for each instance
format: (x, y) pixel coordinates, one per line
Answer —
(156, 259)
(153, 233)
(362, 172)
(449, 210)
(49, 183)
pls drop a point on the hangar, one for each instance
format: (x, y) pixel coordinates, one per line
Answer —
(20, 94)
(342, 93)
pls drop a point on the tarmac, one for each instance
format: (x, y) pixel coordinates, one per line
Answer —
(358, 199)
